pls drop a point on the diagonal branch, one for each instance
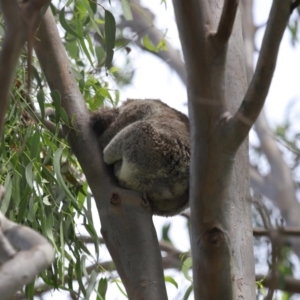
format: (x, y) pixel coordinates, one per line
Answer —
(125, 218)
(11, 49)
(226, 21)
(260, 83)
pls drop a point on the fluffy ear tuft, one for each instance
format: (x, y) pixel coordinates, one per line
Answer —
(101, 119)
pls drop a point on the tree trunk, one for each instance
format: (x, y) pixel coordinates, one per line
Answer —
(221, 230)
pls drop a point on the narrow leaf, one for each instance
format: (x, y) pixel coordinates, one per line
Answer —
(60, 180)
(65, 25)
(28, 174)
(171, 280)
(110, 36)
(102, 288)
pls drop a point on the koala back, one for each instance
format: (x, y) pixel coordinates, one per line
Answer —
(148, 144)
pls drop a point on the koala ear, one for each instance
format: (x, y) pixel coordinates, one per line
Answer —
(102, 118)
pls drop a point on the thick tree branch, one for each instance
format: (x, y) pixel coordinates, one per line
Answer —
(260, 83)
(226, 21)
(212, 92)
(194, 26)
(125, 217)
(13, 43)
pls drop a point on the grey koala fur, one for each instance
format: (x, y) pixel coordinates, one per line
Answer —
(148, 143)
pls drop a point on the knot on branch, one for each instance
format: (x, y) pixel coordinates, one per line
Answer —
(215, 237)
(115, 199)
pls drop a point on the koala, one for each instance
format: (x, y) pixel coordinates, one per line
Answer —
(148, 144)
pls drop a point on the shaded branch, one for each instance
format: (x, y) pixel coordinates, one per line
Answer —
(260, 83)
(288, 231)
(13, 43)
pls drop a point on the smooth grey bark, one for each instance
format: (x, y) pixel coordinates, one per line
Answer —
(216, 82)
(222, 249)
(126, 220)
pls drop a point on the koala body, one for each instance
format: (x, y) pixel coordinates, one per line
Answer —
(148, 143)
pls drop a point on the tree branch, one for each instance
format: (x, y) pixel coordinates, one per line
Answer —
(13, 43)
(260, 83)
(226, 22)
(194, 26)
(125, 217)
(19, 268)
(288, 231)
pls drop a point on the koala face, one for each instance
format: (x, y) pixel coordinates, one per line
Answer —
(148, 143)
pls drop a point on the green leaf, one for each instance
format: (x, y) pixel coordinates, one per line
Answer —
(171, 280)
(102, 288)
(118, 282)
(126, 10)
(78, 272)
(186, 266)
(82, 42)
(70, 275)
(93, 5)
(29, 291)
(35, 145)
(41, 101)
(100, 54)
(165, 233)
(7, 197)
(56, 165)
(110, 37)
(28, 174)
(91, 284)
(62, 242)
(64, 116)
(55, 95)
(188, 292)
(148, 44)
(66, 26)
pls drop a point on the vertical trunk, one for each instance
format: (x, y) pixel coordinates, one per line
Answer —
(222, 247)
(241, 232)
